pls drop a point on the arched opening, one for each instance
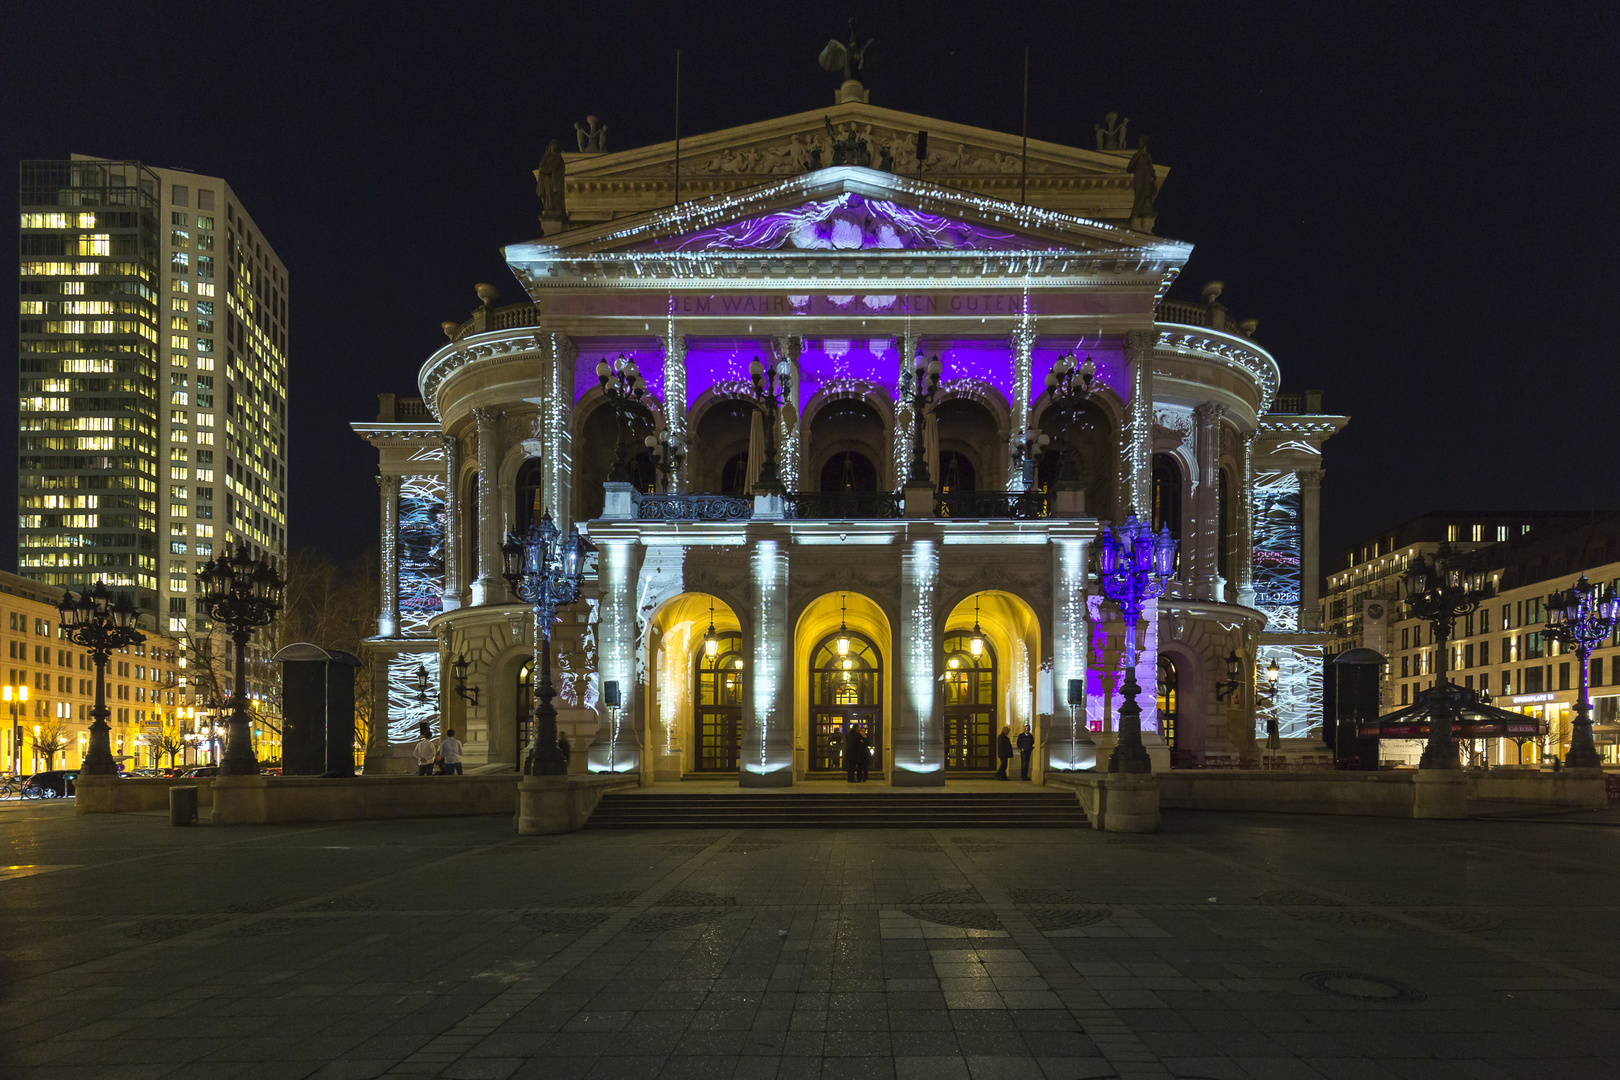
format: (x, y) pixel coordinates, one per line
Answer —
(1169, 699)
(847, 432)
(969, 664)
(594, 449)
(717, 708)
(1090, 444)
(849, 471)
(846, 688)
(525, 707)
(969, 446)
(956, 473)
(526, 494)
(1167, 484)
(719, 459)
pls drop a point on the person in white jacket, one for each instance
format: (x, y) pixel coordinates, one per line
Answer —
(450, 754)
(424, 753)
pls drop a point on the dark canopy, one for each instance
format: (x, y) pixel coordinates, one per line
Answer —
(1471, 718)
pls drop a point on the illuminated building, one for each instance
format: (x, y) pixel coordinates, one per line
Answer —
(153, 393)
(843, 595)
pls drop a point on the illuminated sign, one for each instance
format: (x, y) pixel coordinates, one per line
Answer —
(1529, 699)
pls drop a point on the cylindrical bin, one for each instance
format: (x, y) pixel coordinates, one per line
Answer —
(183, 805)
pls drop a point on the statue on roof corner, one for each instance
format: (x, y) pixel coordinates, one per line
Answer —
(1111, 132)
(1146, 185)
(852, 58)
(592, 137)
(549, 186)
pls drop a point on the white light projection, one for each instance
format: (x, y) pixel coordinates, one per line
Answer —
(406, 714)
(420, 552)
(1295, 701)
(1069, 652)
(616, 654)
(771, 646)
(919, 572)
(1278, 532)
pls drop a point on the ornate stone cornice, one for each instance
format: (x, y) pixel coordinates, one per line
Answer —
(1233, 352)
(498, 344)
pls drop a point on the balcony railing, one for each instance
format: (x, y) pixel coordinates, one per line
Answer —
(842, 505)
(1020, 505)
(700, 506)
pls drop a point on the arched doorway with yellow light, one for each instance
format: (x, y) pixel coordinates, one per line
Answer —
(843, 652)
(696, 688)
(989, 658)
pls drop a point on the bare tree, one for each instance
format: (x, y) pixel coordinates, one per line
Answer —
(49, 741)
(168, 744)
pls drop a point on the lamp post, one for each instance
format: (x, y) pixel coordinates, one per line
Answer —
(668, 454)
(917, 389)
(15, 696)
(546, 570)
(624, 388)
(1028, 447)
(102, 625)
(1433, 598)
(1273, 736)
(1224, 690)
(1134, 566)
(244, 593)
(1070, 382)
(772, 388)
(1580, 618)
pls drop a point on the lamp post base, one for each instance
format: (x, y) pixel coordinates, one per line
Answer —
(98, 759)
(544, 757)
(1130, 756)
(1582, 751)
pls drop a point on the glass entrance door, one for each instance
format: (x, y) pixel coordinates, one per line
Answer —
(717, 713)
(845, 689)
(970, 703)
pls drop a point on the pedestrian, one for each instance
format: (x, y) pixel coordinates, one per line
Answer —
(1026, 749)
(450, 755)
(852, 751)
(863, 758)
(564, 749)
(1004, 751)
(424, 752)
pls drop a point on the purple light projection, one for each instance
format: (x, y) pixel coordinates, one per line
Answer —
(847, 222)
(648, 352)
(1107, 352)
(965, 363)
(720, 362)
(860, 364)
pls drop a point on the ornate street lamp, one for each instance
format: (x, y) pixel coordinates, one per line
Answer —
(976, 642)
(15, 696)
(463, 691)
(1224, 690)
(668, 454)
(917, 389)
(244, 593)
(624, 388)
(1070, 382)
(1432, 597)
(1580, 618)
(1028, 447)
(772, 388)
(842, 642)
(1134, 566)
(546, 570)
(102, 625)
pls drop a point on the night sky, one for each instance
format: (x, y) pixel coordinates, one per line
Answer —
(1415, 201)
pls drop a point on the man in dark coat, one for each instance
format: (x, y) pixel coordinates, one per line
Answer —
(1026, 748)
(852, 751)
(863, 759)
(1004, 750)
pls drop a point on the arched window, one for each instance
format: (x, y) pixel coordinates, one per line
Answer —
(970, 703)
(1169, 697)
(734, 475)
(1167, 494)
(956, 473)
(846, 687)
(717, 710)
(849, 471)
(526, 495)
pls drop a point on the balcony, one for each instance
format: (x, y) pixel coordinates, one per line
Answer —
(844, 506)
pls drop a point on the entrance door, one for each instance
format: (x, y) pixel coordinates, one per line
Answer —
(970, 704)
(717, 712)
(525, 710)
(845, 689)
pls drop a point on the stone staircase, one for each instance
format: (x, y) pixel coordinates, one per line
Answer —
(1038, 809)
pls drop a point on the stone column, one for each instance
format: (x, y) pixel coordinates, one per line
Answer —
(1068, 742)
(487, 588)
(788, 428)
(901, 455)
(617, 567)
(1310, 562)
(767, 735)
(1245, 520)
(556, 423)
(1205, 516)
(675, 402)
(1023, 347)
(918, 740)
(388, 563)
(452, 523)
(1136, 451)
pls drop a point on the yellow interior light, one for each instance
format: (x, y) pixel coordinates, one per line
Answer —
(976, 645)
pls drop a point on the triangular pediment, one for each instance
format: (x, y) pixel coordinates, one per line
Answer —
(849, 211)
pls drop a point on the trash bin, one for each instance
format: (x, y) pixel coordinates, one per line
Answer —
(183, 805)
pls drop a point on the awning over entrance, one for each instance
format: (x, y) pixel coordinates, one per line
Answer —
(1471, 718)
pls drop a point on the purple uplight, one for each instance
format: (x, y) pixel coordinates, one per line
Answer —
(861, 363)
(1107, 352)
(721, 362)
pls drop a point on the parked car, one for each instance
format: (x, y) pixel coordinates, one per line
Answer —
(141, 774)
(52, 784)
(201, 770)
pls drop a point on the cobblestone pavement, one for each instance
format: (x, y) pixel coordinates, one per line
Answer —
(1226, 946)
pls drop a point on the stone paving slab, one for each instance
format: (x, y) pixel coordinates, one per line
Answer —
(1225, 946)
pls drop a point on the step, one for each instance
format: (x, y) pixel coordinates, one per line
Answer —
(829, 810)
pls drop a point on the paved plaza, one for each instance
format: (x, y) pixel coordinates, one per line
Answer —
(1226, 946)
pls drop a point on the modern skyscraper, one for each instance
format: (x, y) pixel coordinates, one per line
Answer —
(153, 397)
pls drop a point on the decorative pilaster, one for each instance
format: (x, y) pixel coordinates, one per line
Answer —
(452, 523)
(767, 734)
(907, 344)
(1136, 451)
(1206, 524)
(675, 400)
(388, 563)
(918, 742)
(487, 587)
(1023, 349)
(1245, 545)
(615, 747)
(556, 426)
(1068, 742)
(1310, 562)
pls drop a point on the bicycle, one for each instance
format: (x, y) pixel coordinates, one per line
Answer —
(11, 787)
